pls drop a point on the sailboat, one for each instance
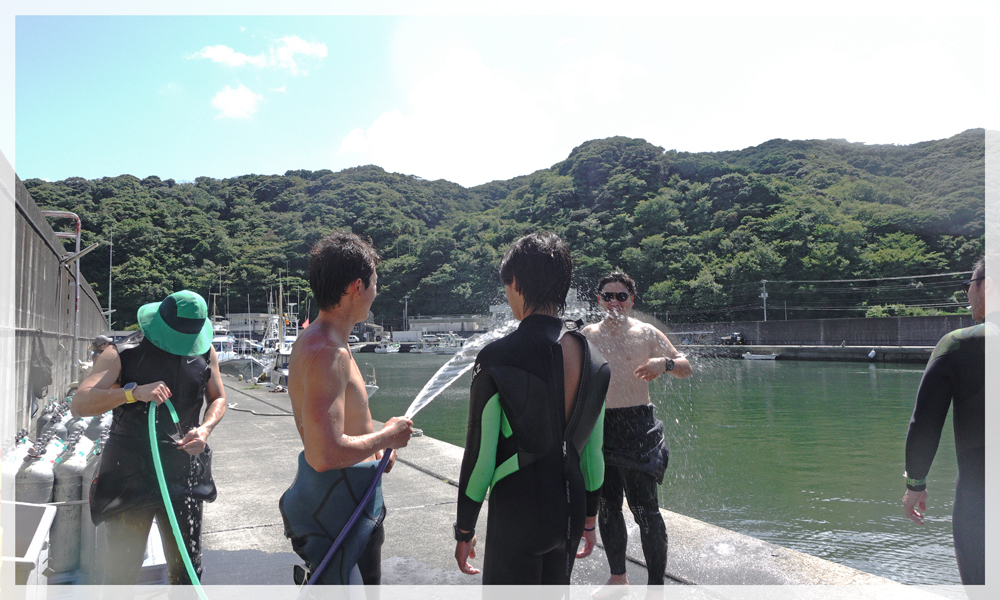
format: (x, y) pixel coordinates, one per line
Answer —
(283, 349)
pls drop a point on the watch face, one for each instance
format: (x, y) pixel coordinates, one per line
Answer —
(130, 386)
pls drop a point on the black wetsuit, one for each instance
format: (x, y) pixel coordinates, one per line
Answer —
(955, 375)
(544, 472)
(126, 494)
(635, 458)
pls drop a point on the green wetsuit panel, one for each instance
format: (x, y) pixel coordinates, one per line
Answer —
(485, 473)
(592, 458)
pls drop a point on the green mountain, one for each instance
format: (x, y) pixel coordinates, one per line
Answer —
(698, 231)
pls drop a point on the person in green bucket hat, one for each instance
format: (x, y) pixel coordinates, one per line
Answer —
(178, 325)
(171, 357)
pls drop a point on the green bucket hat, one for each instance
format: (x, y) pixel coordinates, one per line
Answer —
(178, 325)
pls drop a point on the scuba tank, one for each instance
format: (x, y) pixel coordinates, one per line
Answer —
(97, 426)
(89, 550)
(12, 459)
(34, 479)
(60, 428)
(64, 537)
(43, 419)
(77, 424)
(56, 423)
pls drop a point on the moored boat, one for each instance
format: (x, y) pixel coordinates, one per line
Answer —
(449, 344)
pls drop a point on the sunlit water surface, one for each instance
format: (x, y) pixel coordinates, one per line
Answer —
(807, 455)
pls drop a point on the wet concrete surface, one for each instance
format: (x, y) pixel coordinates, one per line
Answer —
(255, 461)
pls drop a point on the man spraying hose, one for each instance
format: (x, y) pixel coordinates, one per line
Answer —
(330, 405)
(171, 358)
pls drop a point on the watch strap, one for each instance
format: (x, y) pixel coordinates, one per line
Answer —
(916, 485)
(463, 537)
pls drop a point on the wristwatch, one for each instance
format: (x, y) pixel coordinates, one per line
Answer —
(463, 537)
(129, 398)
(670, 364)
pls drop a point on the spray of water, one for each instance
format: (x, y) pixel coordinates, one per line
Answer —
(466, 358)
(457, 366)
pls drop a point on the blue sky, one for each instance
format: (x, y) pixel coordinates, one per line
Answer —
(472, 98)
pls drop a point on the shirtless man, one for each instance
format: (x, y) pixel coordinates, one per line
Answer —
(635, 455)
(330, 406)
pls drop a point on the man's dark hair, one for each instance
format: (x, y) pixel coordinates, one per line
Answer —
(980, 266)
(543, 267)
(621, 278)
(335, 262)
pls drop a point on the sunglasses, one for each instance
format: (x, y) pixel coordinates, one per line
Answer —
(968, 284)
(609, 296)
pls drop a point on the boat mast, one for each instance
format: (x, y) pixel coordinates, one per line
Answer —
(281, 316)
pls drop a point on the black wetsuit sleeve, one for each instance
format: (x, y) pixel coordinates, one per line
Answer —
(937, 387)
(481, 439)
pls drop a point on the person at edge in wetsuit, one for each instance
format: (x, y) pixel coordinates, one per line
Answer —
(635, 454)
(330, 406)
(171, 358)
(535, 425)
(955, 374)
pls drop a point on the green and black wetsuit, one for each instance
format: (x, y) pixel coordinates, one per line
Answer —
(544, 473)
(956, 375)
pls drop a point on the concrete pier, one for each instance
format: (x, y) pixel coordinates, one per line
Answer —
(255, 461)
(883, 354)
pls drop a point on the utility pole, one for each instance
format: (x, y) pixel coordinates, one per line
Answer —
(406, 308)
(763, 294)
(111, 259)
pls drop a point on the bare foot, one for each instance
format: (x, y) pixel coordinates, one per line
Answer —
(615, 588)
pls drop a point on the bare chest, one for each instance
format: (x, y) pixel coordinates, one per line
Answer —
(624, 352)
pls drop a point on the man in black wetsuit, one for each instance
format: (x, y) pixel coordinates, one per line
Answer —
(535, 429)
(955, 375)
(172, 358)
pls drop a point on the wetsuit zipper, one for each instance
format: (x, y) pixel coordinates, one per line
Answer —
(584, 377)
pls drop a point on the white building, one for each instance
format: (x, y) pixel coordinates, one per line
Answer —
(467, 324)
(248, 324)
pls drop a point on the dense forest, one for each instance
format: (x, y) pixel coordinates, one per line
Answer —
(698, 231)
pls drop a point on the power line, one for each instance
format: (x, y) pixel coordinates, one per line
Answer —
(870, 279)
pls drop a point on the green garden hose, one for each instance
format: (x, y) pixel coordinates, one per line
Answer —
(181, 546)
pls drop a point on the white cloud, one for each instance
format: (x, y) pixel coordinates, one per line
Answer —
(463, 119)
(281, 89)
(484, 108)
(282, 54)
(228, 56)
(237, 103)
(289, 47)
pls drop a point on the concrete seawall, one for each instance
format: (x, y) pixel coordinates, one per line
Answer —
(883, 354)
(876, 331)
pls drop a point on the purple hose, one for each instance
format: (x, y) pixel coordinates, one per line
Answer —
(350, 522)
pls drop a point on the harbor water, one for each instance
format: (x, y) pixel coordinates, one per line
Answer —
(807, 455)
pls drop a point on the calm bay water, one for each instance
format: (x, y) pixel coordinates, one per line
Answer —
(807, 455)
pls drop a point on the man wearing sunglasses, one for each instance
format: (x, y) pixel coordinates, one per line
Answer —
(955, 375)
(635, 454)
